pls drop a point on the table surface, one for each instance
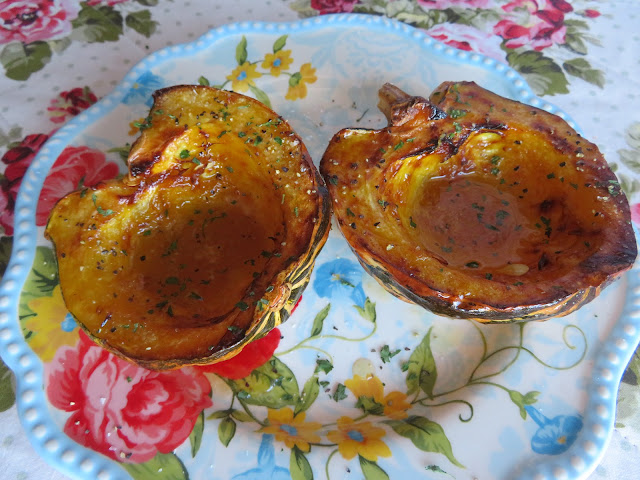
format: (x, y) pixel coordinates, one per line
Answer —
(583, 56)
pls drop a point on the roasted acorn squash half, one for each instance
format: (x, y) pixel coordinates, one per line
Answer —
(206, 244)
(475, 206)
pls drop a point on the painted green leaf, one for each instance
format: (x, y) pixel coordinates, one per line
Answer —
(13, 135)
(421, 368)
(295, 79)
(241, 51)
(318, 322)
(218, 414)
(20, 61)
(272, 385)
(371, 470)
(43, 278)
(260, 95)
(41, 281)
(579, 67)
(523, 400)
(575, 43)
(576, 24)
(226, 431)
(543, 75)
(299, 465)
(123, 152)
(202, 80)
(279, 43)
(630, 158)
(5, 253)
(7, 395)
(164, 466)
(241, 416)
(370, 406)
(428, 436)
(369, 310)
(629, 184)
(141, 22)
(195, 437)
(574, 36)
(634, 369)
(97, 24)
(308, 395)
(304, 8)
(59, 45)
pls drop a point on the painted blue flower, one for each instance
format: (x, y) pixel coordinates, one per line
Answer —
(555, 435)
(267, 467)
(69, 323)
(141, 91)
(340, 278)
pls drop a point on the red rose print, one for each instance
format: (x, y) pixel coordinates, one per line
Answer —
(71, 103)
(536, 23)
(254, 355)
(333, 6)
(18, 159)
(32, 20)
(119, 409)
(592, 13)
(74, 168)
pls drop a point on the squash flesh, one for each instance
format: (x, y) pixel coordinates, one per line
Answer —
(476, 206)
(187, 258)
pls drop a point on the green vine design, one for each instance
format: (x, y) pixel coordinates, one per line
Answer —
(275, 386)
(244, 76)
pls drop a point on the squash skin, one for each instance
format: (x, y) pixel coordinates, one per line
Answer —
(205, 245)
(475, 206)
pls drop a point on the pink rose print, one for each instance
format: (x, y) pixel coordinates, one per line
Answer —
(119, 409)
(17, 159)
(333, 6)
(71, 103)
(442, 4)
(468, 38)
(536, 23)
(32, 20)
(75, 167)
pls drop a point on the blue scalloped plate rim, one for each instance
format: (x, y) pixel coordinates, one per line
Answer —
(79, 462)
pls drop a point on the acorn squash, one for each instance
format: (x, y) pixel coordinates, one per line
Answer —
(206, 244)
(476, 206)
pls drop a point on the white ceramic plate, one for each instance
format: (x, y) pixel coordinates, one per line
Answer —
(443, 399)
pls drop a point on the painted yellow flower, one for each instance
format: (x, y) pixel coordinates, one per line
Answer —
(371, 398)
(52, 325)
(298, 82)
(359, 439)
(396, 405)
(277, 62)
(290, 429)
(370, 387)
(242, 76)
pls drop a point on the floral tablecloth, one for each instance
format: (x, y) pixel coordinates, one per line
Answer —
(58, 57)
